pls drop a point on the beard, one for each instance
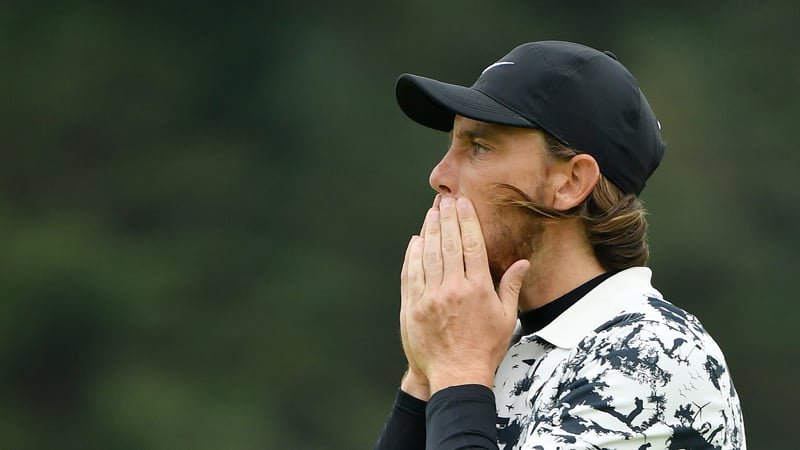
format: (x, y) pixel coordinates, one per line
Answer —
(512, 233)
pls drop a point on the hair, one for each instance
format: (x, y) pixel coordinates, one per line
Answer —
(614, 222)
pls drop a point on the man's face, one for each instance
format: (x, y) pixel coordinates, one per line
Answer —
(483, 155)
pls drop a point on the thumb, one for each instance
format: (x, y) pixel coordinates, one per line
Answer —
(511, 283)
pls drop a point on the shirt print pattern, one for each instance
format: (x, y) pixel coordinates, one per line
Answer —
(650, 378)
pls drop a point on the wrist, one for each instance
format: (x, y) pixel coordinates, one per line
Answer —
(416, 385)
(446, 378)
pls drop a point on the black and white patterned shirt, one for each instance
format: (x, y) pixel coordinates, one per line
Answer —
(623, 369)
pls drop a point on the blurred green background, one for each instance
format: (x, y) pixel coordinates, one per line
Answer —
(205, 206)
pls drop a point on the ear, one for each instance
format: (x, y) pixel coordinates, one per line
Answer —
(577, 179)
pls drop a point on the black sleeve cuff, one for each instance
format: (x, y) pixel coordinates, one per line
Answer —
(462, 417)
(410, 404)
(405, 428)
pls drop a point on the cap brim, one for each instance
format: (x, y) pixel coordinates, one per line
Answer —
(434, 104)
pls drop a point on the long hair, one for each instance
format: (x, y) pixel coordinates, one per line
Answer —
(614, 222)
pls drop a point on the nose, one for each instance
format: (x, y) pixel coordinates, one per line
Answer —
(442, 178)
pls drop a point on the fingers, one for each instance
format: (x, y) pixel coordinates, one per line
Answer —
(452, 258)
(476, 265)
(436, 200)
(404, 273)
(432, 250)
(416, 275)
(451, 246)
(511, 284)
(404, 306)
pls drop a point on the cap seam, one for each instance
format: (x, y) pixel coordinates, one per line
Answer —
(570, 69)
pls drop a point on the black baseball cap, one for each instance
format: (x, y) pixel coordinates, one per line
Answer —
(583, 97)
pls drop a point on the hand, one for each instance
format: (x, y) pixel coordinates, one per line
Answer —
(414, 381)
(456, 327)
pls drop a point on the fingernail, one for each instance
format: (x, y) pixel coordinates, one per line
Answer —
(433, 214)
(446, 202)
(462, 202)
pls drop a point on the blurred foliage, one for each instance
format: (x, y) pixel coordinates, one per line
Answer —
(204, 206)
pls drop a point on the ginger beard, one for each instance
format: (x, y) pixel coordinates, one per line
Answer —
(511, 233)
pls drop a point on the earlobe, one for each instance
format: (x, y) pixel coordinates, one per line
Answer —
(580, 175)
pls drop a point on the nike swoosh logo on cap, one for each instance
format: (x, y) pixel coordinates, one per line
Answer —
(502, 63)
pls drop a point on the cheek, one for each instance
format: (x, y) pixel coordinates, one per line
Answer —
(481, 200)
(484, 192)
(491, 218)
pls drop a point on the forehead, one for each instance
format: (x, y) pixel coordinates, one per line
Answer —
(465, 128)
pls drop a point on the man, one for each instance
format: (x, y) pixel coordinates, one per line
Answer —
(537, 237)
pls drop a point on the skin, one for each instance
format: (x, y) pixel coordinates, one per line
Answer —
(476, 263)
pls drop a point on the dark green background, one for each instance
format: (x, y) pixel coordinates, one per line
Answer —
(204, 206)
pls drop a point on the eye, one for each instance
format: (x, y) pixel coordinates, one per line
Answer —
(478, 148)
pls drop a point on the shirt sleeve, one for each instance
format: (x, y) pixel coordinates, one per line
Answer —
(405, 427)
(462, 417)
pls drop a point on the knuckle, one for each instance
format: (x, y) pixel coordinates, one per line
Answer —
(469, 222)
(450, 246)
(447, 214)
(450, 292)
(472, 243)
(418, 315)
(431, 257)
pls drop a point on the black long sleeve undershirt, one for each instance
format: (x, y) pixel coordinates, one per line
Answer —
(462, 417)
(405, 428)
(458, 417)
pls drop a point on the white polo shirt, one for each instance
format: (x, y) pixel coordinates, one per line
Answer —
(620, 369)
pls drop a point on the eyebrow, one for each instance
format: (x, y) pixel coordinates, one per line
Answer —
(485, 132)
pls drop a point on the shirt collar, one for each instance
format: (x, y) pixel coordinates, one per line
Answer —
(536, 319)
(598, 306)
